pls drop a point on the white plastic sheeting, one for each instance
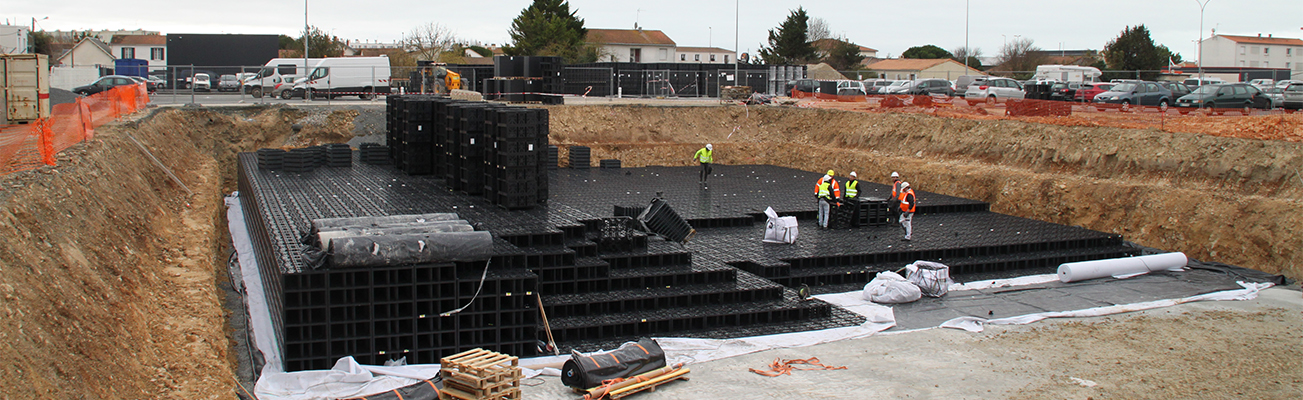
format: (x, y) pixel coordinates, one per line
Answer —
(1121, 268)
(932, 278)
(890, 288)
(975, 324)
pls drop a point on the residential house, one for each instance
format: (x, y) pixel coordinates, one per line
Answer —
(632, 45)
(89, 52)
(703, 55)
(152, 48)
(823, 46)
(1253, 52)
(910, 68)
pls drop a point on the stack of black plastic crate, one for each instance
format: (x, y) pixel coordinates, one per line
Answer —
(515, 173)
(271, 159)
(468, 122)
(580, 157)
(530, 79)
(417, 135)
(373, 153)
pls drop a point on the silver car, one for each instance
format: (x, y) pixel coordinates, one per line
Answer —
(992, 90)
(1293, 97)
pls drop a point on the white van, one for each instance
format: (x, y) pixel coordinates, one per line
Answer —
(363, 77)
(276, 71)
(1207, 80)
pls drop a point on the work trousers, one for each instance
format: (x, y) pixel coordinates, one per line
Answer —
(705, 171)
(824, 207)
(907, 222)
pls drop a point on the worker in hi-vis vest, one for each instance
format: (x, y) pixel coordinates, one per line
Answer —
(908, 203)
(893, 202)
(853, 186)
(706, 157)
(827, 190)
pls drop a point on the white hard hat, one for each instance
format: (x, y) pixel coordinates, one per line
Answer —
(708, 147)
(853, 174)
(904, 185)
(894, 174)
(827, 177)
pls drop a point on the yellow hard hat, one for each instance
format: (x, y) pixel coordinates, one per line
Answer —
(830, 173)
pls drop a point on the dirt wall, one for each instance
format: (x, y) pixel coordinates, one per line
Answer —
(1215, 198)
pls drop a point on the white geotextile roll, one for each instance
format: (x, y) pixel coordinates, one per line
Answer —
(1120, 267)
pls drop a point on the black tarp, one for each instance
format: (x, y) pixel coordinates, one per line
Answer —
(632, 358)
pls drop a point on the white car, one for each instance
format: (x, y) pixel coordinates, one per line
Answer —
(202, 82)
(992, 90)
(1285, 83)
(894, 87)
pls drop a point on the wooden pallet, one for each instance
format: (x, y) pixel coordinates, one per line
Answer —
(480, 375)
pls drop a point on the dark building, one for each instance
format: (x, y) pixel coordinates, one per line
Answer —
(220, 53)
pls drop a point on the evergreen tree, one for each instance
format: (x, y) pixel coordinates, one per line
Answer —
(843, 56)
(549, 28)
(930, 51)
(790, 44)
(1134, 50)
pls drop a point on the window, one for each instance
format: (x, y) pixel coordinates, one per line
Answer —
(1266, 50)
(1286, 65)
(1266, 64)
(156, 53)
(1241, 63)
(1241, 90)
(696, 57)
(712, 58)
(726, 58)
(683, 57)
(319, 73)
(1289, 52)
(1241, 50)
(635, 55)
(664, 53)
(128, 52)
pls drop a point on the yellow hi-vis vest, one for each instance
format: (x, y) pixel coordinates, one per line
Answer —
(823, 190)
(852, 189)
(704, 155)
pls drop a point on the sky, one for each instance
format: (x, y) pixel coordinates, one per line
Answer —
(891, 27)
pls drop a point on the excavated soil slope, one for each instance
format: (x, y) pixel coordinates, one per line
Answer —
(109, 271)
(1216, 198)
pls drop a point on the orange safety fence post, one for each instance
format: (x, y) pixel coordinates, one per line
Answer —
(83, 113)
(45, 134)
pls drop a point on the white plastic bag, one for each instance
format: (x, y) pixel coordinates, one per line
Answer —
(932, 278)
(779, 229)
(891, 288)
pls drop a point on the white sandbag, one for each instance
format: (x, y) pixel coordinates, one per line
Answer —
(891, 288)
(1121, 267)
(779, 229)
(932, 278)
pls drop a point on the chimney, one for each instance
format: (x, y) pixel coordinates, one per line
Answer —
(1268, 36)
(1259, 35)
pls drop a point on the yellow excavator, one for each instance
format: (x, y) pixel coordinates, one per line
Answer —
(433, 77)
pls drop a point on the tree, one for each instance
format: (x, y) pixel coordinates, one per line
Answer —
(428, 42)
(930, 51)
(288, 43)
(843, 55)
(1021, 56)
(40, 42)
(817, 30)
(790, 43)
(968, 56)
(1134, 50)
(549, 28)
(320, 45)
(1167, 55)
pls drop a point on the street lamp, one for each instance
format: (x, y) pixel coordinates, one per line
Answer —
(307, 89)
(1201, 6)
(31, 47)
(967, 51)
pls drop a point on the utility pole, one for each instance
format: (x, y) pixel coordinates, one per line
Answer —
(968, 52)
(307, 89)
(737, 9)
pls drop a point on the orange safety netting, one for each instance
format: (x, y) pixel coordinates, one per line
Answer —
(24, 147)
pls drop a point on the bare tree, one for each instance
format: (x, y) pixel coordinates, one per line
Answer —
(968, 56)
(817, 30)
(429, 41)
(1021, 55)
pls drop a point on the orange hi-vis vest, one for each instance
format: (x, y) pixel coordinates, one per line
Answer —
(828, 190)
(906, 206)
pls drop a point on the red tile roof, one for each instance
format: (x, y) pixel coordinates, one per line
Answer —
(825, 44)
(629, 36)
(136, 40)
(1264, 40)
(907, 64)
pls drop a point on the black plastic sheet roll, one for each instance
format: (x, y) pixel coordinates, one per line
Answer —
(632, 358)
(375, 251)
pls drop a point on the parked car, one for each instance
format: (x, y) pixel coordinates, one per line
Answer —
(228, 83)
(850, 88)
(1263, 84)
(104, 83)
(1293, 97)
(926, 87)
(1130, 94)
(993, 89)
(285, 90)
(202, 82)
(1178, 89)
(1065, 91)
(1088, 91)
(1276, 95)
(875, 86)
(149, 86)
(804, 88)
(158, 81)
(893, 87)
(1287, 82)
(1218, 98)
(1196, 82)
